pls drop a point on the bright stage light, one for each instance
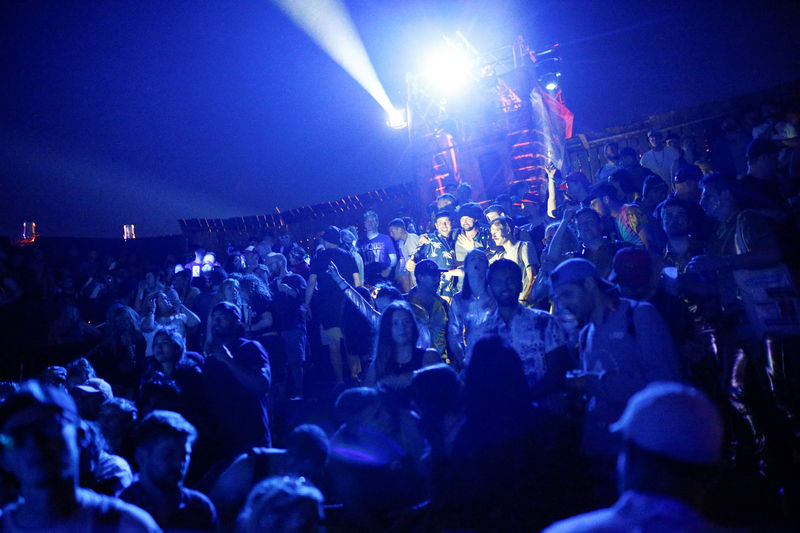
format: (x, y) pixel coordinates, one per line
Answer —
(328, 24)
(548, 72)
(397, 119)
(447, 69)
(549, 81)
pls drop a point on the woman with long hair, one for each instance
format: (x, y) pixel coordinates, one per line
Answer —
(470, 306)
(396, 352)
(185, 368)
(257, 305)
(164, 308)
(120, 358)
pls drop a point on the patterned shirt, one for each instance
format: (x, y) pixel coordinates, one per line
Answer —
(440, 250)
(531, 332)
(434, 319)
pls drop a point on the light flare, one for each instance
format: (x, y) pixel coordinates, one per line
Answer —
(328, 24)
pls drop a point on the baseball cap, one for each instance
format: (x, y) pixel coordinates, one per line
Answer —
(674, 421)
(96, 386)
(33, 395)
(333, 235)
(688, 173)
(427, 267)
(229, 307)
(575, 271)
(443, 213)
(631, 267)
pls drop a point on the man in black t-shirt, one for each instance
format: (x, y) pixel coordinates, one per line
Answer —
(164, 442)
(237, 378)
(331, 299)
(288, 293)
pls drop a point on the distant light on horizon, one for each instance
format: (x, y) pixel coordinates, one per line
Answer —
(328, 24)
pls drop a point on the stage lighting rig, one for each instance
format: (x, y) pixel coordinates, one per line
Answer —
(548, 68)
(397, 119)
(448, 69)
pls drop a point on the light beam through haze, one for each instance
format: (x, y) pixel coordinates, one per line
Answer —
(328, 23)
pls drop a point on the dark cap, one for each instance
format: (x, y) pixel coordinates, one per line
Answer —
(332, 235)
(632, 267)
(654, 133)
(760, 147)
(31, 395)
(443, 213)
(426, 267)
(95, 386)
(599, 190)
(471, 210)
(230, 308)
(494, 208)
(688, 173)
(579, 177)
(576, 270)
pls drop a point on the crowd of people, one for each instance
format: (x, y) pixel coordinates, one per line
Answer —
(628, 345)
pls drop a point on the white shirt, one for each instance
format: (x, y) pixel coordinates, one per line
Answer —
(660, 162)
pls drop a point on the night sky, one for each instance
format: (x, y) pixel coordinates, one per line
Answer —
(146, 112)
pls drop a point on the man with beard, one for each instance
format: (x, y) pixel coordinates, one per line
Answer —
(623, 346)
(595, 246)
(237, 379)
(520, 252)
(628, 221)
(472, 236)
(611, 153)
(535, 335)
(677, 223)
(288, 293)
(163, 449)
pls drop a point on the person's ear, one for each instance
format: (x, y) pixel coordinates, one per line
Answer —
(82, 433)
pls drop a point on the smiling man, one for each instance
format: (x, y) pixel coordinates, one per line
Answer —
(520, 252)
(536, 335)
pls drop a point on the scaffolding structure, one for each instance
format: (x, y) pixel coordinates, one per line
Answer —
(493, 135)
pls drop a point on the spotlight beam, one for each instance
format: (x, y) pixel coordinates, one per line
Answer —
(328, 24)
